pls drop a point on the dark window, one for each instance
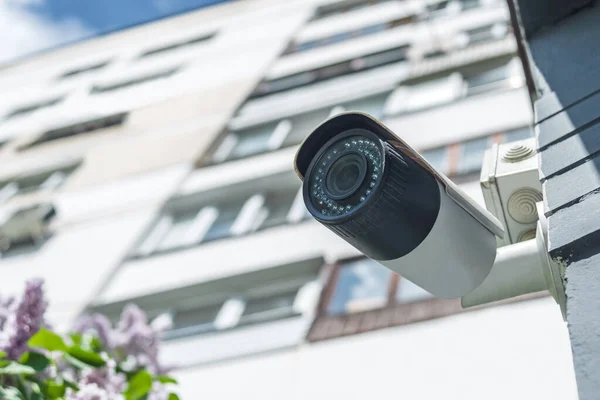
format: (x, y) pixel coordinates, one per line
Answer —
(177, 45)
(341, 7)
(245, 143)
(361, 285)
(277, 207)
(344, 36)
(46, 180)
(193, 321)
(133, 82)
(487, 33)
(438, 158)
(518, 134)
(491, 79)
(344, 68)
(471, 155)
(227, 214)
(32, 107)
(269, 307)
(362, 295)
(80, 128)
(26, 229)
(83, 70)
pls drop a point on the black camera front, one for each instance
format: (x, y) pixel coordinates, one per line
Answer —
(362, 188)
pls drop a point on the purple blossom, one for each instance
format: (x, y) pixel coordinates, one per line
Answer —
(24, 321)
(133, 341)
(92, 392)
(106, 378)
(136, 338)
(99, 325)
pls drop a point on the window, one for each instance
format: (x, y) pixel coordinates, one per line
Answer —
(276, 208)
(236, 214)
(425, 95)
(518, 134)
(226, 214)
(83, 70)
(269, 307)
(177, 45)
(193, 321)
(438, 158)
(46, 180)
(25, 229)
(79, 129)
(361, 285)
(246, 143)
(28, 109)
(487, 33)
(347, 67)
(505, 76)
(362, 295)
(471, 155)
(340, 7)
(134, 81)
(289, 131)
(297, 47)
(246, 302)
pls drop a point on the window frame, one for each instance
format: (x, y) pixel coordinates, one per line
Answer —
(226, 142)
(327, 326)
(64, 170)
(247, 220)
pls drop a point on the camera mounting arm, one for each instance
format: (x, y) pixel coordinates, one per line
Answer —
(522, 268)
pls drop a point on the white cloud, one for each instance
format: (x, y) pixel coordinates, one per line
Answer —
(22, 31)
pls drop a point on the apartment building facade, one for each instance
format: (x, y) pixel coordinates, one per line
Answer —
(153, 165)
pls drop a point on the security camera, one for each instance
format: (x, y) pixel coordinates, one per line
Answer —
(374, 191)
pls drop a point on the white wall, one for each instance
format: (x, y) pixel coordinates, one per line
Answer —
(518, 352)
(93, 230)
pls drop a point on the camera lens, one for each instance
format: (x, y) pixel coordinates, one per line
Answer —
(360, 184)
(346, 175)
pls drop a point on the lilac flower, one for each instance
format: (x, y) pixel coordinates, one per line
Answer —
(92, 392)
(158, 392)
(99, 325)
(134, 341)
(135, 337)
(24, 321)
(106, 378)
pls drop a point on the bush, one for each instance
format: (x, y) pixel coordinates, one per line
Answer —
(95, 361)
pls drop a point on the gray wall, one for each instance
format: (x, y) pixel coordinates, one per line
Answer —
(561, 38)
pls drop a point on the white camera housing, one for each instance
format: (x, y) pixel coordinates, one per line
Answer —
(373, 190)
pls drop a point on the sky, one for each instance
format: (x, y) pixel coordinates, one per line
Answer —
(29, 26)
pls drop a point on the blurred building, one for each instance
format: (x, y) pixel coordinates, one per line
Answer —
(153, 165)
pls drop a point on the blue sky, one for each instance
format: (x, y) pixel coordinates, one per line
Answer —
(28, 26)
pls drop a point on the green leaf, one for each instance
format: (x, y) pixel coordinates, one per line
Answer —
(166, 379)
(173, 396)
(139, 385)
(48, 340)
(86, 356)
(55, 390)
(75, 362)
(2, 354)
(10, 393)
(76, 338)
(70, 384)
(37, 361)
(14, 368)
